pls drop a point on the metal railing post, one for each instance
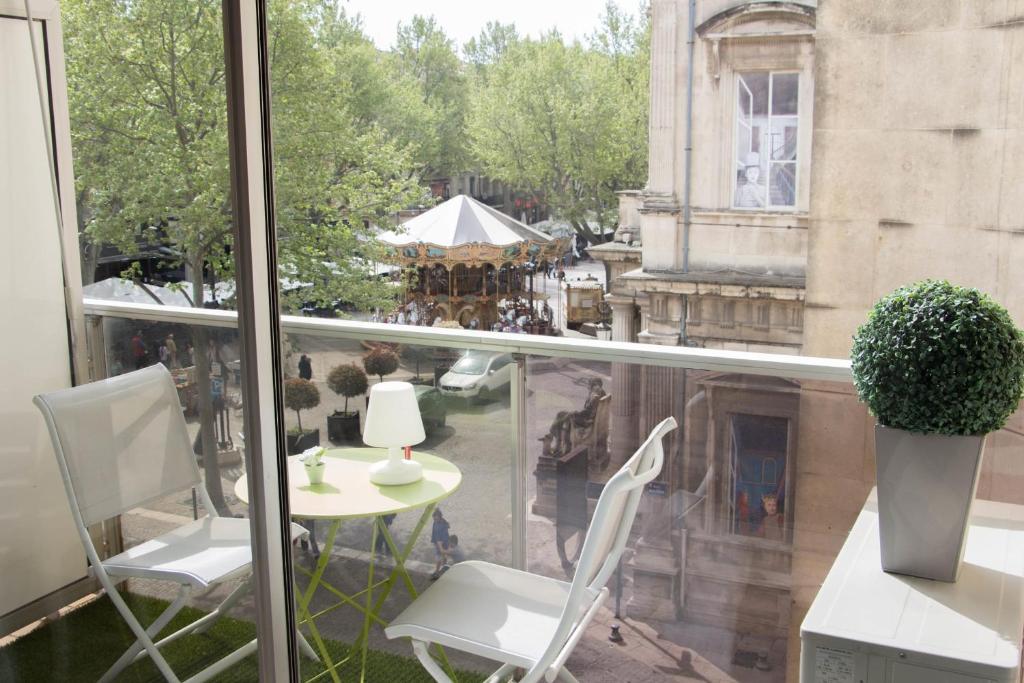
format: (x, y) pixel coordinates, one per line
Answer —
(519, 461)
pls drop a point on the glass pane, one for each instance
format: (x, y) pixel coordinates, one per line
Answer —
(148, 123)
(783, 184)
(463, 402)
(784, 138)
(785, 92)
(757, 83)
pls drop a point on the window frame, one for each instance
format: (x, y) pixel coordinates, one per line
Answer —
(736, 122)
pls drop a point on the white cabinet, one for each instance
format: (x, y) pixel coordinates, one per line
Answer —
(866, 626)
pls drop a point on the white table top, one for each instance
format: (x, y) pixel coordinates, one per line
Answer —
(347, 492)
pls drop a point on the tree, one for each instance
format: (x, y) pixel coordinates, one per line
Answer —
(568, 121)
(149, 129)
(300, 394)
(425, 54)
(493, 42)
(380, 361)
(417, 355)
(347, 381)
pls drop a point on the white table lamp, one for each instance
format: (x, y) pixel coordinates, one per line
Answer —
(393, 422)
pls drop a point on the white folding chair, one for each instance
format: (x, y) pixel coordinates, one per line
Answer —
(120, 444)
(524, 620)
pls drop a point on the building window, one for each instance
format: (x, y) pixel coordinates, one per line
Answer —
(728, 318)
(763, 313)
(766, 140)
(694, 315)
(760, 448)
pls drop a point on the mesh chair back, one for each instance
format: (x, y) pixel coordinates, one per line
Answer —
(121, 441)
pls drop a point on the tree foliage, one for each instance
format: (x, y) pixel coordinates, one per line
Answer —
(300, 394)
(347, 380)
(380, 361)
(426, 55)
(568, 121)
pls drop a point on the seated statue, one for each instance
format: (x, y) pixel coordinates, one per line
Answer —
(558, 440)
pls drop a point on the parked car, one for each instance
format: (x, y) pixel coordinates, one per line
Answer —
(477, 375)
(432, 407)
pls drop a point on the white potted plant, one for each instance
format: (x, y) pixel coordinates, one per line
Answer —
(312, 459)
(939, 366)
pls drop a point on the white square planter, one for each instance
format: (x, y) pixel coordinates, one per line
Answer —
(926, 485)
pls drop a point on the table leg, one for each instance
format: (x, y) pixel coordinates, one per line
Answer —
(398, 571)
(306, 597)
(365, 635)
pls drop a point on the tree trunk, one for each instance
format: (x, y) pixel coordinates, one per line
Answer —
(211, 464)
(582, 228)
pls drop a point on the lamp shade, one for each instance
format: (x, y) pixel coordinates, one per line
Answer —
(393, 418)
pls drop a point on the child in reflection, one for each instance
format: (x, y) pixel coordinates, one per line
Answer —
(441, 541)
(772, 523)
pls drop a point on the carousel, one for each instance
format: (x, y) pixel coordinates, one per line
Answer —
(467, 262)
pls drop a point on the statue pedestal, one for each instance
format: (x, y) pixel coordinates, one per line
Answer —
(655, 564)
(656, 581)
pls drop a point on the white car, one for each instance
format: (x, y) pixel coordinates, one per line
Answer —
(477, 375)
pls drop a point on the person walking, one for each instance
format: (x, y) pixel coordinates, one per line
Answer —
(305, 367)
(138, 348)
(172, 351)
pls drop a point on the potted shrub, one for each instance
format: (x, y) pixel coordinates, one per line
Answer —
(380, 361)
(417, 355)
(939, 366)
(347, 381)
(301, 394)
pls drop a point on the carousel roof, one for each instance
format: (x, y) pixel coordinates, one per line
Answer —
(463, 220)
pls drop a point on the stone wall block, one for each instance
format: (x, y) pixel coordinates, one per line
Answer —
(943, 80)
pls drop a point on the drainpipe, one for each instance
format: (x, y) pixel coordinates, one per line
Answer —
(688, 149)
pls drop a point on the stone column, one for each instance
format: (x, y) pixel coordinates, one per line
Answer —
(656, 563)
(666, 44)
(624, 436)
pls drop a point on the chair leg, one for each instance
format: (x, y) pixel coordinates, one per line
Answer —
(224, 607)
(306, 648)
(420, 648)
(144, 636)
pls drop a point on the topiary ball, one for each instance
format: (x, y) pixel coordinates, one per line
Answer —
(300, 394)
(347, 380)
(380, 361)
(936, 358)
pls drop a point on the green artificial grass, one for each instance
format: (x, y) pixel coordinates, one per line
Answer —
(85, 643)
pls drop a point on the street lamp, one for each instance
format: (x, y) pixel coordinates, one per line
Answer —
(531, 267)
(603, 329)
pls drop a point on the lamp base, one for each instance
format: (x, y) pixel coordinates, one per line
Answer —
(395, 472)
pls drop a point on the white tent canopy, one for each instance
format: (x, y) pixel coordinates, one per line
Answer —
(118, 289)
(463, 220)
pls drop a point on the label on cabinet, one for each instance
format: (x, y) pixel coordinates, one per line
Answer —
(832, 665)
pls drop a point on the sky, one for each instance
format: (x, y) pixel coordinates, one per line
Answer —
(463, 19)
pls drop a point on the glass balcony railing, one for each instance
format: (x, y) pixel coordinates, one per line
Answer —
(732, 539)
(762, 480)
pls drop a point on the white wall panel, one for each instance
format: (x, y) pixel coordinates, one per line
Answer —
(39, 548)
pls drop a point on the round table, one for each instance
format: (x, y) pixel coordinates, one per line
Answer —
(347, 493)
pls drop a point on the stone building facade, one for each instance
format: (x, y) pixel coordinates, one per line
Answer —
(835, 152)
